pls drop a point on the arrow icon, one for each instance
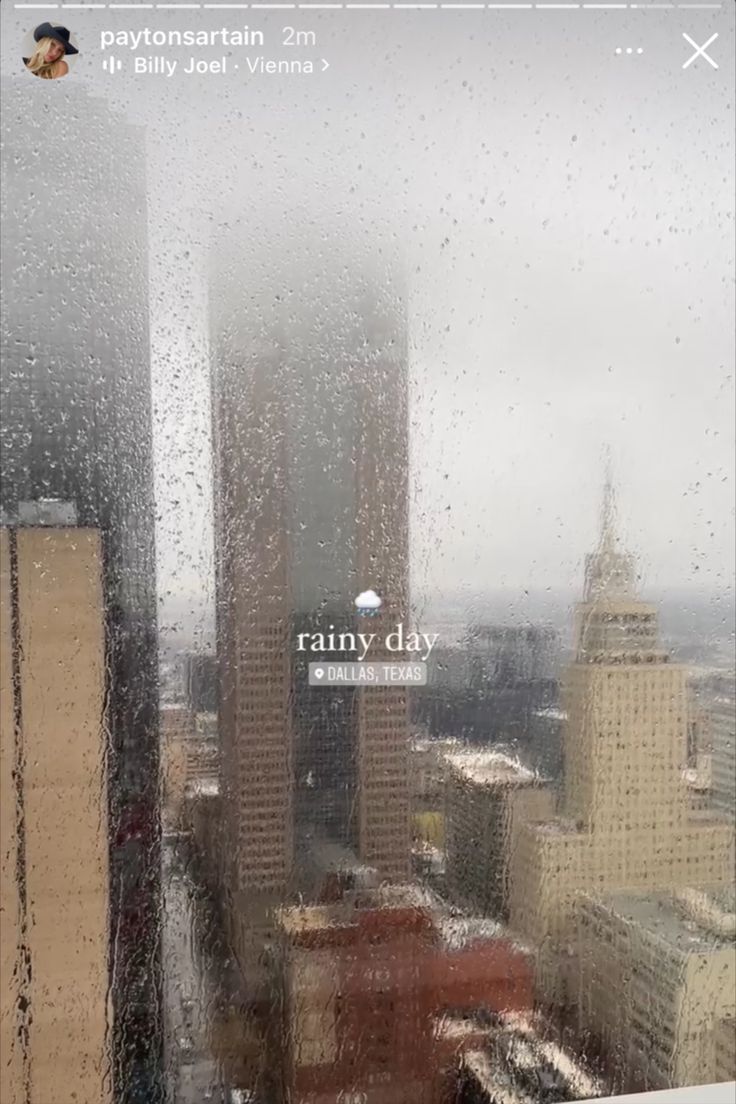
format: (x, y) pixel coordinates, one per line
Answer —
(325, 65)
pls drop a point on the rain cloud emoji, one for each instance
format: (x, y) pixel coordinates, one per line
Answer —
(368, 603)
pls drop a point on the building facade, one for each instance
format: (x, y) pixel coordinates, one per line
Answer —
(375, 990)
(657, 984)
(310, 430)
(177, 737)
(201, 682)
(722, 738)
(625, 819)
(75, 441)
(54, 938)
(489, 796)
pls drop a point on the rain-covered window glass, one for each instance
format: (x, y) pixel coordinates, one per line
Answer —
(366, 560)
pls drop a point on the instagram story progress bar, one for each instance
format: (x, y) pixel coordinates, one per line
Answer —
(368, 674)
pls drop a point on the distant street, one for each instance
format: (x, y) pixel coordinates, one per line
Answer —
(192, 1074)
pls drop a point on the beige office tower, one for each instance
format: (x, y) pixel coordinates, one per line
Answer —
(310, 425)
(254, 649)
(657, 984)
(56, 1017)
(624, 820)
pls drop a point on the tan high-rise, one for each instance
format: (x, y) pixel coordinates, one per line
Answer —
(256, 777)
(310, 418)
(382, 559)
(625, 820)
(54, 934)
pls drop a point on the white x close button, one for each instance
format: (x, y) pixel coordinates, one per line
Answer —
(700, 51)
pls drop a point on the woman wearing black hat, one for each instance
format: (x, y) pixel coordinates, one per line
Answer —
(52, 43)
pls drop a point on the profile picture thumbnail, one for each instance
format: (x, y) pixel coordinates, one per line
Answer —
(52, 45)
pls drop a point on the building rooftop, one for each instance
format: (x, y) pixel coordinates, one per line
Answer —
(311, 918)
(559, 826)
(408, 895)
(523, 1063)
(458, 1027)
(329, 855)
(496, 1083)
(690, 921)
(434, 744)
(169, 707)
(492, 768)
(207, 723)
(553, 712)
(203, 787)
(298, 919)
(697, 778)
(457, 932)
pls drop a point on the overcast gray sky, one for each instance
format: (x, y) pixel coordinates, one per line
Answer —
(566, 219)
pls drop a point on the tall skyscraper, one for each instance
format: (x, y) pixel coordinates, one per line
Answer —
(76, 433)
(310, 412)
(54, 938)
(625, 820)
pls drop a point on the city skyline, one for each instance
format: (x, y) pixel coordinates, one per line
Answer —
(451, 322)
(600, 867)
(569, 281)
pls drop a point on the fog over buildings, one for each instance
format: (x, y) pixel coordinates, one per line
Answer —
(565, 237)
